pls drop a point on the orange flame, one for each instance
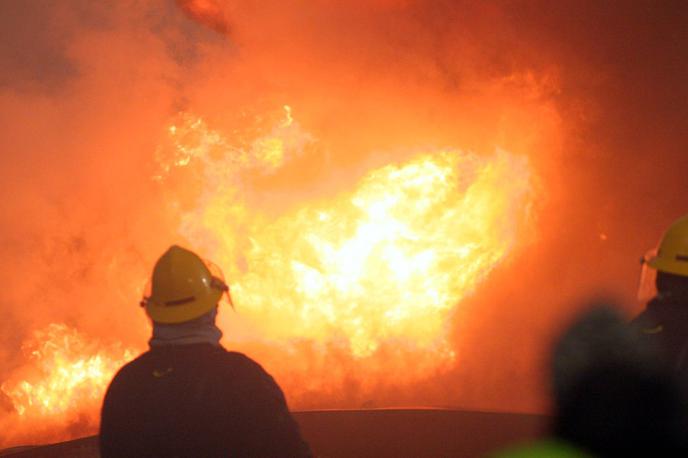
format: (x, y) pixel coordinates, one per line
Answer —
(372, 274)
(65, 378)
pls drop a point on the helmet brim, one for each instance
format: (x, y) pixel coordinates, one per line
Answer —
(671, 266)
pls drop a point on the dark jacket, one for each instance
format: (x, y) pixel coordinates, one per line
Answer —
(197, 400)
(664, 326)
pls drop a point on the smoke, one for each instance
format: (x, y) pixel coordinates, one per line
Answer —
(207, 12)
(592, 93)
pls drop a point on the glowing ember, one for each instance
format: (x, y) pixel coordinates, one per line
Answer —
(67, 374)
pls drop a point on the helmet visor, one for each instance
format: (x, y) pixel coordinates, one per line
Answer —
(218, 280)
(647, 288)
(147, 291)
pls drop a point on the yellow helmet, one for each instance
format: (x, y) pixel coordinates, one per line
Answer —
(183, 287)
(671, 257)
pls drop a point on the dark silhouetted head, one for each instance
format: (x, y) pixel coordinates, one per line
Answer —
(612, 397)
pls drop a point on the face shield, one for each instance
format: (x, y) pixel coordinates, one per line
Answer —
(147, 292)
(647, 288)
(217, 281)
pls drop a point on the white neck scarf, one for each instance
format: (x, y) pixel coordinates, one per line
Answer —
(198, 330)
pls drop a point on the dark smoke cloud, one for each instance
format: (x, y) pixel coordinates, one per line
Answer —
(594, 92)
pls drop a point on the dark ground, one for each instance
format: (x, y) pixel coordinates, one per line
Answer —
(376, 433)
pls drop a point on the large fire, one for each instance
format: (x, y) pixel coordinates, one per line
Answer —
(356, 285)
(360, 280)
